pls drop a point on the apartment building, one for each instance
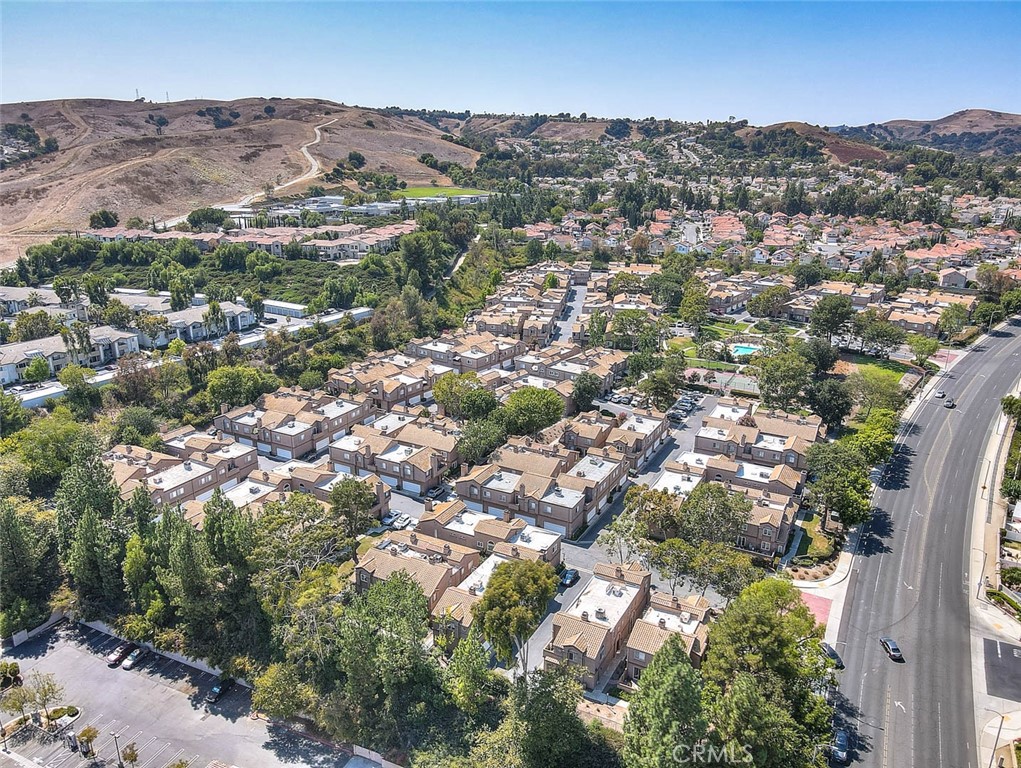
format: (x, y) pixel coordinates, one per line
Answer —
(434, 564)
(592, 632)
(468, 352)
(169, 479)
(667, 615)
(452, 521)
(412, 459)
(291, 422)
(780, 479)
(108, 346)
(639, 436)
(538, 500)
(390, 380)
(767, 437)
(194, 324)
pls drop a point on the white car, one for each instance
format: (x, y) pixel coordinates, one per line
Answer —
(402, 522)
(940, 395)
(389, 518)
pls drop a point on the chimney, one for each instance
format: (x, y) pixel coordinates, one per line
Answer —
(223, 408)
(205, 456)
(446, 550)
(428, 506)
(219, 434)
(584, 615)
(619, 572)
(464, 470)
(265, 475)
(662, 623)
(414, 538)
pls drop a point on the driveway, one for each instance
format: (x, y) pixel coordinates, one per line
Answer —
(574, 304)
(158, 706)
(544, 633)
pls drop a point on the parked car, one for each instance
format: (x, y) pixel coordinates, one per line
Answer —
(892, 649)
(118, 654)
(840, 749)
(402, 522)
(949, 403)
(219, 690)
(389, 518)
(940, 394)
(834, 656)
(569, 577)
(435, 493)
(134, 658)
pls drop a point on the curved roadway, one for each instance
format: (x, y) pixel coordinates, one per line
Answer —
(910, 579)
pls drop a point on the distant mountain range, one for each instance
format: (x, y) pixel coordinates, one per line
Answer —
(970, 131)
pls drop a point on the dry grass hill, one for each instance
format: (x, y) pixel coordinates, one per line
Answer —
(838, 148)
(112, 156)
(970, 131)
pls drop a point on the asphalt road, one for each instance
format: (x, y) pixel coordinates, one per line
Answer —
(910, 578)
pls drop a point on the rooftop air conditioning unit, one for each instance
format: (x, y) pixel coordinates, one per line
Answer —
(601, 613)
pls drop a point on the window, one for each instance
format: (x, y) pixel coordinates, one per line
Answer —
(347, 455)
(486, 494)
(503, 497)
(531, 505)
(407, 471)
(760, 454)
(767, 533)
(640, 655)
(548, 509)
(791, 458)
(473, 491)
(765, 546)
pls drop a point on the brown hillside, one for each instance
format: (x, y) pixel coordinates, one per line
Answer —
(838, 148)
(965, 121)
(111, 157)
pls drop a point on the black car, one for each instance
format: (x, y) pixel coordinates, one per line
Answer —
(840, 749)
(891, 648)
(569, 577)
(219, 690)
(834, 656)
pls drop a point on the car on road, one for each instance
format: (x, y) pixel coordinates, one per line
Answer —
(840, 749)
(569, 577)
(940, 394)
(891, 648)
(828, 649)
(118, 654)
(949, 403)
(134, 658)
(402, 522)
(219, 690)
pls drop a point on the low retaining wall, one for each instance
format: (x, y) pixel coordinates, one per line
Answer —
(27, 634)
(368, 754)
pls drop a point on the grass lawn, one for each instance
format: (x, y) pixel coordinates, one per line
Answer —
(436, 192)
(713, 365)
(720, 330)
(814, 542)
(890, 369)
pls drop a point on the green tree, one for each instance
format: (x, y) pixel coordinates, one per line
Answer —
(478, 404)
(587, 387)
(86, 485)
(922, 347)
(239, 384)
(769, 303)
(103, 219)
(93, 563)
(841, 482)
(351, 503)
(480, 438)
(597, 328)
(694, 308)
(451, 387)
(818, 353)
(783, 378)
(831, 400)
(952, 321)
(37, 370)
(665, 716)
(875, 389)
(529, 410)
(987, 314)
(546, 703)
(29, 326)
(467, 675)
(13, 416)
(513, 604)
(280, 692)
(831, 316)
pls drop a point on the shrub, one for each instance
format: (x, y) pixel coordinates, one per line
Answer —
(1004, 600)
(1011, 577)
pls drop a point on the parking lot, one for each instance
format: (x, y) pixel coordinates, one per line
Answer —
(159, 706)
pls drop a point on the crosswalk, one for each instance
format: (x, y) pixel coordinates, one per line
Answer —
(153, 751)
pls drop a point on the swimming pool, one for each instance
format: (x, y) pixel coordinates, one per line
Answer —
(743, 350)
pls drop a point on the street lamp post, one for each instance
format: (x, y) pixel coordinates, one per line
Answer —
(3, 733)
(120, 763)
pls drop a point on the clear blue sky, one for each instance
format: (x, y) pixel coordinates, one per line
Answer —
(826, 63)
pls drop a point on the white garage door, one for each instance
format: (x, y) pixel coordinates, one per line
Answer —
(321, 445)
(529, 520)
(245, 441)
(412, 487)
(474, 506)
(391, 481)
(284, 453)
(264, 447)
(561, 529)
(341, 469)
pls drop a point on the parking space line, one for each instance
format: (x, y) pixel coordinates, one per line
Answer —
(173, 760)
(156, 754)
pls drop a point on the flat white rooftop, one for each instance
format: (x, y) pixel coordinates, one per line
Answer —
(604, 602)
(593, 468)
